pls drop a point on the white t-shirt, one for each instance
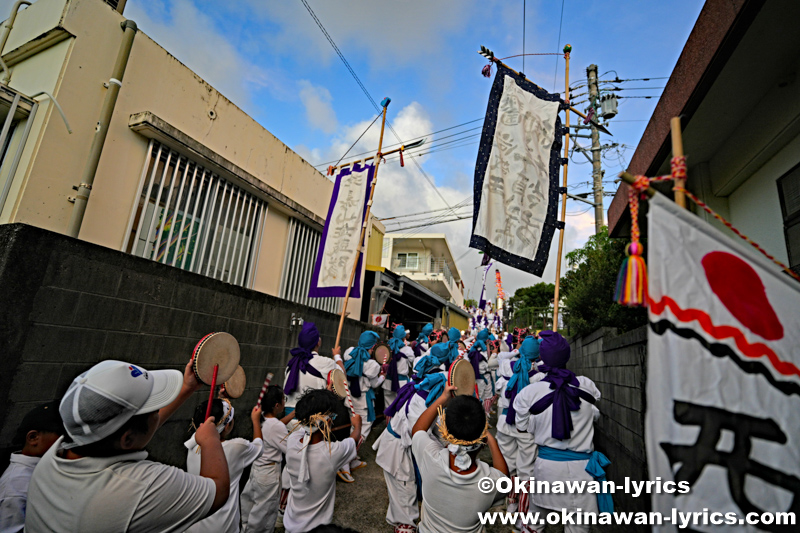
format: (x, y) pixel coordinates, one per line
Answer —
(121, 493)
(275, 437)
(14, 492)
(310, 381)
(239, 453)
(311, 503)
(450, 501)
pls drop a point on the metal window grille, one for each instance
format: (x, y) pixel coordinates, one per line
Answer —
(190, 218)
(298, 267)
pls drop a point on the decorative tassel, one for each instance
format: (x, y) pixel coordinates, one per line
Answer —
(631, 287)
(487, 71)
(402, 163)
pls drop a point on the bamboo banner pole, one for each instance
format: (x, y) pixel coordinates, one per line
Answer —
(390, 152)
(363, 228)
(567, 50)
(677, 151)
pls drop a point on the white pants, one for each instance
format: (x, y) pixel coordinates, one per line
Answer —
(484, 388)
(365, 429)
(403, 507)
(508, 447)
(261, 498)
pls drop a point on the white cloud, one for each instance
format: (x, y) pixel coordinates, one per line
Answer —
(319, 111)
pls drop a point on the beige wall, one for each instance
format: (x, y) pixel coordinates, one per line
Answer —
(74, 71)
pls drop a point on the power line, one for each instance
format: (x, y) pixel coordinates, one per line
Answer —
(560, 25)
(341, 56)
(433, 224)
(389, 146)
(414, 214)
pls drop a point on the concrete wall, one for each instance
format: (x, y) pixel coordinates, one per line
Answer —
(616, 363)
(67, 304)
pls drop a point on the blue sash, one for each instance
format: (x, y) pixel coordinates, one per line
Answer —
(369, 395)
(391, 431)
(597, 461)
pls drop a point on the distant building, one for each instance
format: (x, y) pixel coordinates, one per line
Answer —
(736, 86)
(184, 177)
(427, 259)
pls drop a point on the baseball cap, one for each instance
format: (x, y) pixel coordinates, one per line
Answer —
(42, 418)
(102, 399)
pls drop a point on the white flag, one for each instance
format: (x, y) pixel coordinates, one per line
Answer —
(380, 320)
(723, 387)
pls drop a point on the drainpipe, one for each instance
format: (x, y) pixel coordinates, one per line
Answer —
(374, 294)
(6, 31)
(101, 130)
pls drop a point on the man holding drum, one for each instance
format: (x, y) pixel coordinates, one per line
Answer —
(97, 478)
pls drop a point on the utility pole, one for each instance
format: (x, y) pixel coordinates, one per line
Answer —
(597, 171)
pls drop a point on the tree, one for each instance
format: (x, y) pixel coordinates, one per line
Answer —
(469, 302)
(530, 306)
(588, 286)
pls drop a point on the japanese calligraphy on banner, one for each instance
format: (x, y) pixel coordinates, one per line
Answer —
(516, 174)
(339, 244)
(723, 387)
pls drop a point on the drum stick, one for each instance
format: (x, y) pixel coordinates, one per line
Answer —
(264, 388)
(349, 399)
(213, 387)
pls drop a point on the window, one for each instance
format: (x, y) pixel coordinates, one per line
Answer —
(190, 218)
(789, 192)
(298, 268)
(387, 247)
(409, 260)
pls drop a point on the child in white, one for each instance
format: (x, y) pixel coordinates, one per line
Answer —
(450, 475)
(312, 461)
(261, 495)
(239, 453)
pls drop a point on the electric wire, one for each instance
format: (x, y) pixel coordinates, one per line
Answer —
(560, 25)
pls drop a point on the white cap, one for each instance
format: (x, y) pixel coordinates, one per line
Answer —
(102, 399)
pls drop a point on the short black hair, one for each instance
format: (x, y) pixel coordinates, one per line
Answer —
(465, 418)
(200, 412)
(272, 397)
(44, 418)
(315, 401)
(332, 528)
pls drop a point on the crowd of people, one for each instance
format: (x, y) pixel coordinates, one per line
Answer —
(83, 467)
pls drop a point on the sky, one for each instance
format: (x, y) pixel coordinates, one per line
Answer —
(271, 59)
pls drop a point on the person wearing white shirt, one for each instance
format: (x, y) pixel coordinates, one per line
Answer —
(261, 496)
(239, 453)
(559, 411)
(97, 478)
(306, 369)
(398, 366)
(450, 470)
(39, 430)
(312, 461)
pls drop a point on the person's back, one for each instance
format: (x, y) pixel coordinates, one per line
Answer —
(312, 461)
(451, 496)
(39, 430)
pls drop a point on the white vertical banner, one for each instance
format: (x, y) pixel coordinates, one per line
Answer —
(723, 376)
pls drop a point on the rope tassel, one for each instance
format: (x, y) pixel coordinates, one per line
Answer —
(631, 287)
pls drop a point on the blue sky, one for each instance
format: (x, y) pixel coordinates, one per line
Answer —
(271, 59)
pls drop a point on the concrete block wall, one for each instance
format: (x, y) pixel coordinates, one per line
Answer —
(616, 363)
(67, 304)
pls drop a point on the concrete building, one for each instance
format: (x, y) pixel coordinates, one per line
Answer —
(425, 258)
(737, 88)
(183, 176)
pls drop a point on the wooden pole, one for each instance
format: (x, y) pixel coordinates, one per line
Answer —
(567, 50)
(363, 230)
(677, 151)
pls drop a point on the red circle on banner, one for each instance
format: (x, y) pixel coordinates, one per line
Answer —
(741, 290)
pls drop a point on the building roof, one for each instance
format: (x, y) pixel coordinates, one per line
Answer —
(719, 29)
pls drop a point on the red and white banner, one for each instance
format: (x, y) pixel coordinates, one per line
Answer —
(723, 386)
(380, 320)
